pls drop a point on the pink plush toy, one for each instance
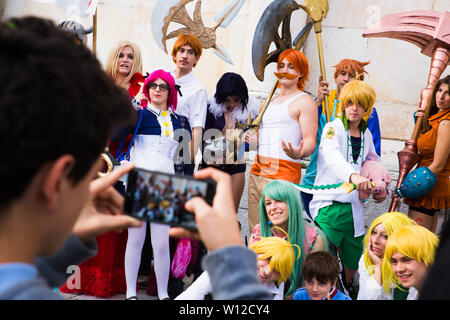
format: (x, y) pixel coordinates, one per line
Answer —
(378, 175)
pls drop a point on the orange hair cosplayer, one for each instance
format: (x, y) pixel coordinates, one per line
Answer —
(300, 63)
(354, 67)
(187, 39)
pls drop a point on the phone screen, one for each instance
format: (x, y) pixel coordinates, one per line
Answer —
(160, 197)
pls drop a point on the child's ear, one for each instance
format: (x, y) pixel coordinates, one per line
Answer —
(333, 283)
(54, 175)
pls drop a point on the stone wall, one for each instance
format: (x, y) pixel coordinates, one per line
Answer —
(398, 71)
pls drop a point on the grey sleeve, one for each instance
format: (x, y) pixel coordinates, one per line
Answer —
(73, 252)
(232, 271)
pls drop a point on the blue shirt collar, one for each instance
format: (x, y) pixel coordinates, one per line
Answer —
(13, 273)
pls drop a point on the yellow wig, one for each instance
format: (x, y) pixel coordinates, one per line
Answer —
(280, 253)
(391, 222)
(415, 242)
(359, 93)
(113, 60)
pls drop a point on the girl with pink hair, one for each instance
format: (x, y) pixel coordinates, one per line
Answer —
(154, 149)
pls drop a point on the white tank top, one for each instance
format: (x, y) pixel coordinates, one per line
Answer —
(276, 126)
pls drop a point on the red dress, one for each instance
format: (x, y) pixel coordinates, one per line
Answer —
(104, 274)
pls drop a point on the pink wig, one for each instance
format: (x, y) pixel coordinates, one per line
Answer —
(167, 77)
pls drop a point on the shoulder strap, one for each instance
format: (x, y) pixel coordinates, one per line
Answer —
(134, 135)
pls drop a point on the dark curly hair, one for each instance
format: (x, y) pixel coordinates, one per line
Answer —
(55, 99)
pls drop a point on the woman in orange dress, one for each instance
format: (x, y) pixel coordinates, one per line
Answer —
(434, 148)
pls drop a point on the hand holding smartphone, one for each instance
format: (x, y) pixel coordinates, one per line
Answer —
(160, 197)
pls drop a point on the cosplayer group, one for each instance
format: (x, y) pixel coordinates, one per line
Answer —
(302, 246)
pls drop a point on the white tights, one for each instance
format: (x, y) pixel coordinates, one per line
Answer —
(161, 257)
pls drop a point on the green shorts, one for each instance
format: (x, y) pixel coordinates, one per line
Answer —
(336, 220)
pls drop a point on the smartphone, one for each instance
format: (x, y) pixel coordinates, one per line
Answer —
(160, 197)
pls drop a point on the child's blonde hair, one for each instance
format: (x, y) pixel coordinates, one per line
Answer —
(413, 241)
(391, 222)
(359, 93)
(280, 253)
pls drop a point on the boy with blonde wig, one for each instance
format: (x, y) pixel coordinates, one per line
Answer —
(275, 263)
(370, 276)
(345, 145)
(345, 71)
(408, 256)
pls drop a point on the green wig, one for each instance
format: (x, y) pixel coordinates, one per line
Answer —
(281, 190)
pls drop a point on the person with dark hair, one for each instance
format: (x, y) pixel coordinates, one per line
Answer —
(434, 149)
(228, 109)
(320, 273)
(56, 114)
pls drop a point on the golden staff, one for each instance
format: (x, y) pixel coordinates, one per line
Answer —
(94, 32)
(317, 10)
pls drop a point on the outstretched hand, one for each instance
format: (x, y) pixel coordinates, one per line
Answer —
(217, 225)
(103, 212)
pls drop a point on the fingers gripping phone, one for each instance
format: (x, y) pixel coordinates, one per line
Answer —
(160, 197)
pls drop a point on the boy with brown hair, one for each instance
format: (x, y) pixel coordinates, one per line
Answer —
(320, 273)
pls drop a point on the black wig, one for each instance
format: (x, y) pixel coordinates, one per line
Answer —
(231, 84)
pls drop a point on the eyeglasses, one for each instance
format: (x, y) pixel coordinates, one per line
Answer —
(162, 86)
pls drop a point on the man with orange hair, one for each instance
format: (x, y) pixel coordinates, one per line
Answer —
(346, 70)
(287, 132)
(192, 96)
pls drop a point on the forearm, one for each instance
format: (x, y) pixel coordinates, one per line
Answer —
(232, 271)
(73, 252)
(309, 145)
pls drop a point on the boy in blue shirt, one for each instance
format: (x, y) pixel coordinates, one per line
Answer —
(320, 272)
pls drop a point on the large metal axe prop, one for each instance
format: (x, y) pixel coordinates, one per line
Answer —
(167, 11)
(430, 31)
(277, 14)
